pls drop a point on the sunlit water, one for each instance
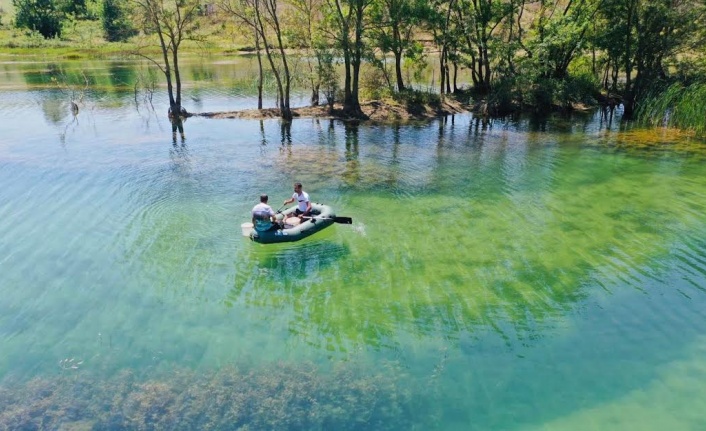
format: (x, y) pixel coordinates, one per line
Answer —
(524, 275)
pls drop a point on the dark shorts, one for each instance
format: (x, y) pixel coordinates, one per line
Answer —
(275, 226)
(297, 212)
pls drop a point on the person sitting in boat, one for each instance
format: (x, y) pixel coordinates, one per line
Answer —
(263, 217)
(303, 202)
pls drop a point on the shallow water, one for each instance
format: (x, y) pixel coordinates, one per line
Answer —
(521, 274)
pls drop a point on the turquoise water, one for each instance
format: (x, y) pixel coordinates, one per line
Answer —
(522, 274)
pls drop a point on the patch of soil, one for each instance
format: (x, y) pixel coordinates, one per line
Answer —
(374, 111)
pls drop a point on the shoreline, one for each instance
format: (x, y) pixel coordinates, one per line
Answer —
(381, 111)
(376, 111)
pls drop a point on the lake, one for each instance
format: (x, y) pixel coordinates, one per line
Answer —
(517, 274)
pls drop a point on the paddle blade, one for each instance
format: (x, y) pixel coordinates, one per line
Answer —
(343, 220)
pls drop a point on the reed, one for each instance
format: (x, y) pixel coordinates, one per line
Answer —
(680, 106)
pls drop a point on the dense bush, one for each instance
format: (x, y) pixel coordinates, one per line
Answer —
(502, 100)
(76, 8)
(412, 98)
(38, 15)
(117, 26)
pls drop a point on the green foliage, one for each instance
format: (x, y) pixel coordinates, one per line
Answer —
(531, 89)
(117, 25)
(643, 39)
(520, 55)
(579, 89)
(38, 15)
(76, 8)
(418, 98)
(679, 105)
(503, 99)
(690, 69)
(375, 83)
(327, 75)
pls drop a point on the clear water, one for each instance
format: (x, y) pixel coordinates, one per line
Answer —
(523, 274)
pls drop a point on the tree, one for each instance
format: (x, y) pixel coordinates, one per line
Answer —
(303, 32)
(392, 29)
(561, 32)
(244, 13)
(441, 25)
(263, 17)
(173, 21)
(646, 37)
(478, 23)
(117, 25)
(284, 80)
(38, 15)
(346, 26)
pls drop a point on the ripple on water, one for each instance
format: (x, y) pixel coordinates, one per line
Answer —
(493, 246)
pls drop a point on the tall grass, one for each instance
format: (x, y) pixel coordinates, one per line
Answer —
(679, 106)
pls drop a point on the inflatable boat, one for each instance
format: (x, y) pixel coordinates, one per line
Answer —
(294, 229)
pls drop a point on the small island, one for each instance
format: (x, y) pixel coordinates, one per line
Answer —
(373, 111)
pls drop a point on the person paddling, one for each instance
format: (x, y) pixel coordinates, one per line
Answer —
(303, 202)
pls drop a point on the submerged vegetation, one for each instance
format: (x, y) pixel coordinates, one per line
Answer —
(278, 397)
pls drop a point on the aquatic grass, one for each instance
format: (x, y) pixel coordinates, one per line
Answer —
(282, 396)
(517, 253)
(549, 266)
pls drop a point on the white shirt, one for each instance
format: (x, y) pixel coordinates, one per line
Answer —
(261, 212)
(302, 200)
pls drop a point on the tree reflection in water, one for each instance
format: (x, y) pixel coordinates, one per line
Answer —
(179, 152)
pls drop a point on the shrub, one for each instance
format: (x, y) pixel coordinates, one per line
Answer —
(38, 15)
(117, 26)
(581, 88)
(503, 98)
(76, 8)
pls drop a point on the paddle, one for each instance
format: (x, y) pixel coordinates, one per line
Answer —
(342, 220)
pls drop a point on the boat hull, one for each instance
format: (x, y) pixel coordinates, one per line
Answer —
(322, 217)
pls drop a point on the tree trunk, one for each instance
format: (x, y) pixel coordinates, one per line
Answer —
(315, 95)
(486, 66)
(629, 97)
(397, 50)
(398, 70)
(448, 77)
(285, 111)
(455, 75)
(259, 70)
(442, 70)
(167, 68)
(177, 78)
(353, 108)
(275, 72)
(347, 97)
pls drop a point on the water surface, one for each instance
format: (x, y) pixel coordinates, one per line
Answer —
(520, 274)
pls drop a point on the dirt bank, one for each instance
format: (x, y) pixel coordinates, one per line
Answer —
(375, 111)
